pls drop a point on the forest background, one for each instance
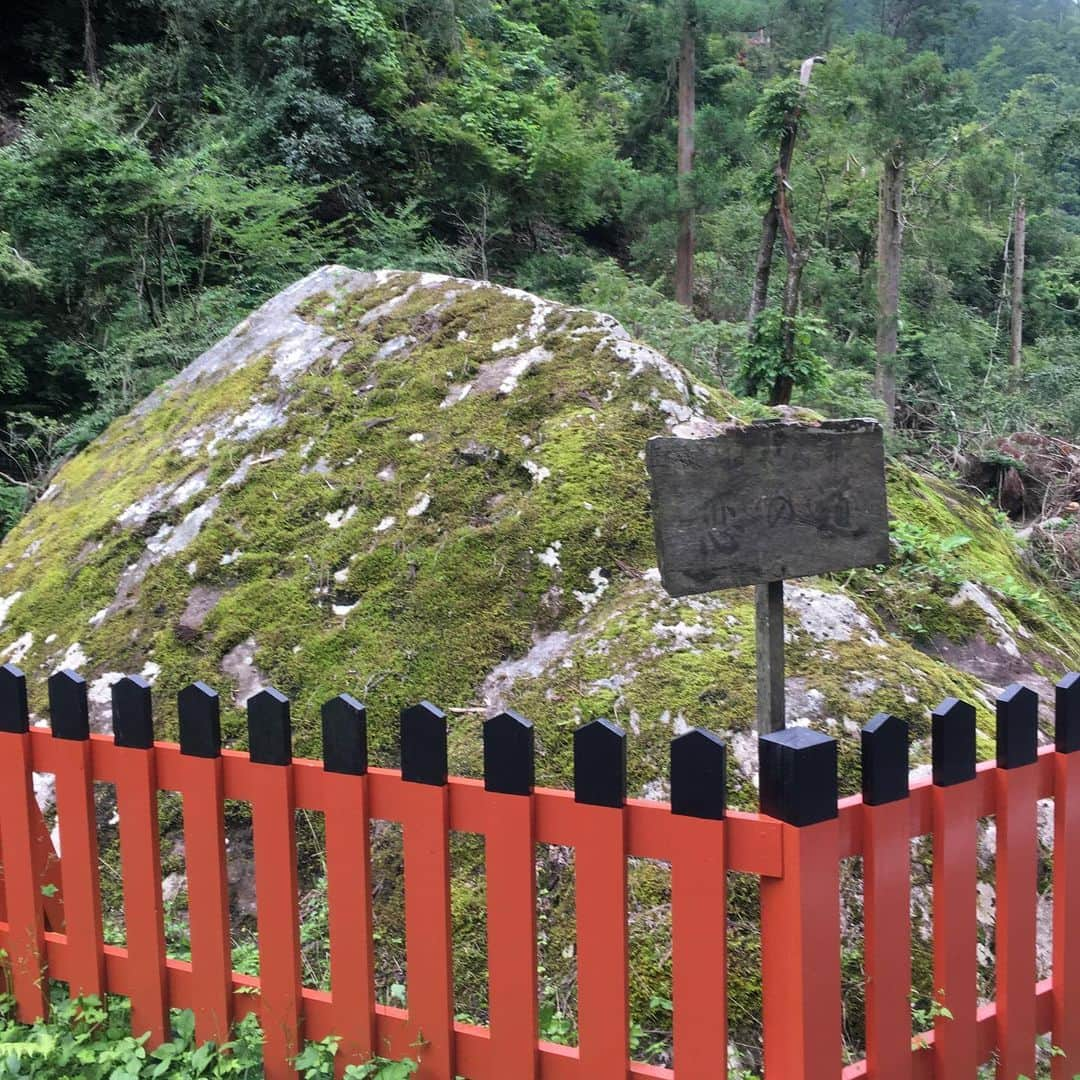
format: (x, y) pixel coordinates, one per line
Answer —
(841, 203)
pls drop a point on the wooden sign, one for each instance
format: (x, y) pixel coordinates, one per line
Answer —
(768, 501)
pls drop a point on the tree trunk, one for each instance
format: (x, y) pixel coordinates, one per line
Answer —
(90, 58)
(796, 261)
(889, 248)
(759, 293)
(1017, 324)
(684, 252)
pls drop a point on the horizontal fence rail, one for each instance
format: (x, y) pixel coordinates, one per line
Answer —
(51, 924)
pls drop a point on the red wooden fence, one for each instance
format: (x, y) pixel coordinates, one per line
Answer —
(794, 846)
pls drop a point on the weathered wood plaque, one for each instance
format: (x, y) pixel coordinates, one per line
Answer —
(766, 502)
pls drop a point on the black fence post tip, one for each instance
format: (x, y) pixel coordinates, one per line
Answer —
(200, 721)
(423, 744)
(68, 705)
(344, 735)
(600, 764)
(1067, 714)
(1017, 732)
(952, 740)
(699, 775)
(884, 748)
(799, 782)
(132, 713)
(14, 711)
(269, 728)
(509, 754)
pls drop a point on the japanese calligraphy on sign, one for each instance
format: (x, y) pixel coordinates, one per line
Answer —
(766, 502)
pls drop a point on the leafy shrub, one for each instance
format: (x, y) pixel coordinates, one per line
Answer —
(88, 1040)
(761, 356)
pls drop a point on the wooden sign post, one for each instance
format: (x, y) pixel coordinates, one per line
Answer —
(762, 503)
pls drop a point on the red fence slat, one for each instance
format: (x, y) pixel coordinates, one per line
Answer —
(429, 972)
(800, 957)
(140, 865)
(1017, 873)
(277, 900)
(699, 949)
(348, 886)
(600, 900)
(510, 864)
(79, 866)
(955, 1046)
(887, 917)
(1066, 956)
(18, 814)
(203, 790)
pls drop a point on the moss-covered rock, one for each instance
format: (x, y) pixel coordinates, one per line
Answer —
(410, 486)
(415, 486)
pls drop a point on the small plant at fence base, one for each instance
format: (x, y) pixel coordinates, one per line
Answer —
(93, 1041)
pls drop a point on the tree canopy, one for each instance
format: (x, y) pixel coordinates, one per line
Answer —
(166, 164)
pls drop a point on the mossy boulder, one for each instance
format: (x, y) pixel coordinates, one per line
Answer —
(409, 486)
(412, 486)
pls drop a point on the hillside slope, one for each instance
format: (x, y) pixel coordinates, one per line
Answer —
(411, 486)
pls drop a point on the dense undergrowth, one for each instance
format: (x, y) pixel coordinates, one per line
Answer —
(86, 1039)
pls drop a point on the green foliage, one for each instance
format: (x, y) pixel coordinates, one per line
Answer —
(92, 1041)
(761, 357)
(217, 157)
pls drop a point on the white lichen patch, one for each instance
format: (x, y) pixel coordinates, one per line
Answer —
(260, 418)
(501, 376)
(138, 513)
(416, 437)
(240, 474)
(99, 692)
(6, 604)
(184, 533)
(679, 412)
(550, 556)
(188, 489)
(829, 616)
(394, 345)
(547, 651)
(420, 506)
(969, 592)
(336, 518)
(239, 664)
(681, 635)
(456, 393)
(17, 650)
(642, 357)
(539, 473)
(73, 658)
(387, 522)
(601, 582)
